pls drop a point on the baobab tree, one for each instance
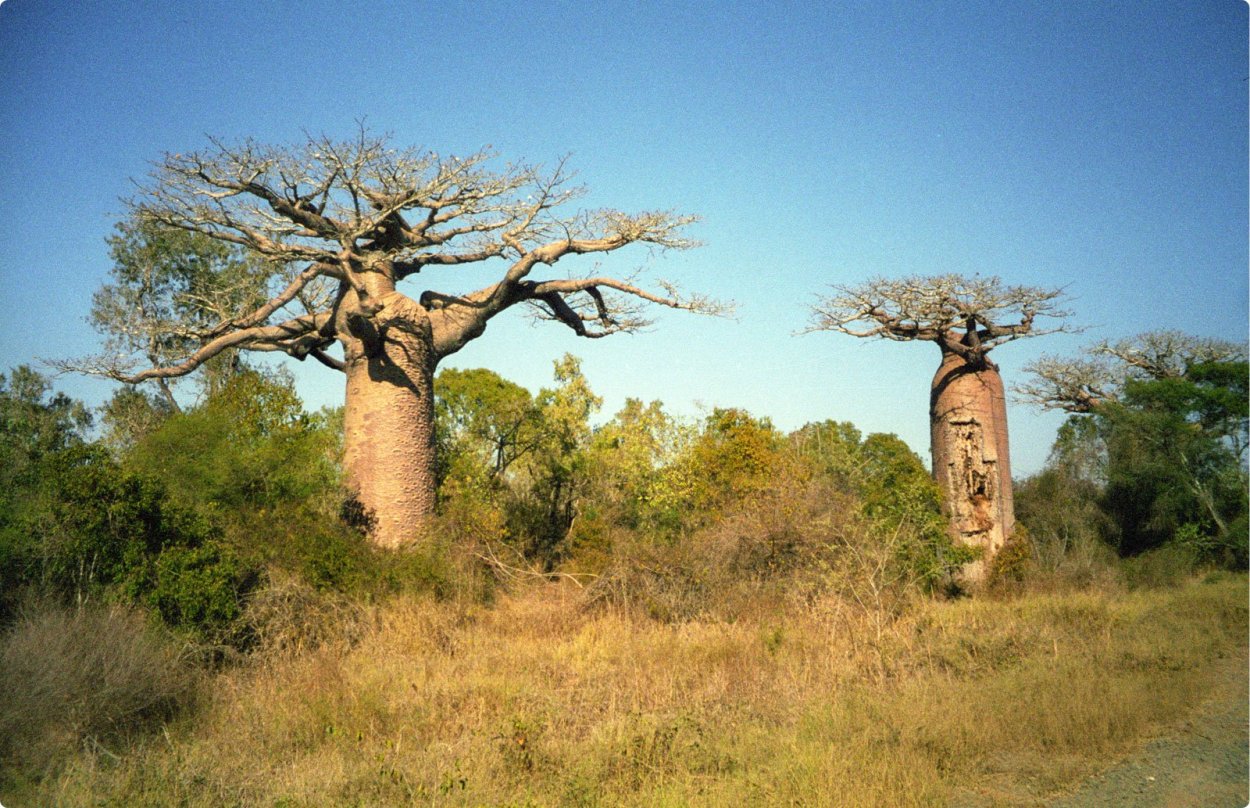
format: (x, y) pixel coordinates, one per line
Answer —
(338, 226)
(966, 318)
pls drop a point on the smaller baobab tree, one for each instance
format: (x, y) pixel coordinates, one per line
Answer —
(966, 318)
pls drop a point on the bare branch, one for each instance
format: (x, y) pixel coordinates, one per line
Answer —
(298, 337)
(1072, 385)
(1081, 384)
(368, 215)
(1168, 354)
(969, 316)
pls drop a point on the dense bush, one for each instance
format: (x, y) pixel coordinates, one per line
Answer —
(250, 445)
(95, 531)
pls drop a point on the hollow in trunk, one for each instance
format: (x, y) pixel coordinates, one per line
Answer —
(968, 426)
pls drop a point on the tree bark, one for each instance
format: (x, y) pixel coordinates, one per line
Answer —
(971, 463)
(388, 418)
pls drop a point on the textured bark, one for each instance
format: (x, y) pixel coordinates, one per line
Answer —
(388, 439)
(968, 423)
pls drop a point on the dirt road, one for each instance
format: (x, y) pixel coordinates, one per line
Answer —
(1201, 764)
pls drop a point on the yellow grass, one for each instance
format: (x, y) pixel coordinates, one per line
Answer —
(537, 700)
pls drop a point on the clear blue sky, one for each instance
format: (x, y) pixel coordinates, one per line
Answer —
(1100, 146)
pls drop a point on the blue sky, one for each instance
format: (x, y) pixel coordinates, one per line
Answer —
(1098, 146)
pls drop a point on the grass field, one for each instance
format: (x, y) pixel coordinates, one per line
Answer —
(543, 699)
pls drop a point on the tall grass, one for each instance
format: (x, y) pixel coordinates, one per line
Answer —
(539, 699)
(94, 676)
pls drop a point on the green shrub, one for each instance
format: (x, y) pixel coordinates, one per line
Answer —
(249, 446)
(97, 531)
(1013, 565)
(201, 589)
(1164, 567)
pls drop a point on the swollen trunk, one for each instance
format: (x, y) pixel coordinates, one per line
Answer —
(388, 429)
(968, 426)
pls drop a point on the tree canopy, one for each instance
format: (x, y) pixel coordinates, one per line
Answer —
(1099, 375)
(256, 247)
(1164, 415)
(967, 316)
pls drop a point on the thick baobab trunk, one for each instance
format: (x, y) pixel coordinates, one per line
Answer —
(388, 420)
(968, 427)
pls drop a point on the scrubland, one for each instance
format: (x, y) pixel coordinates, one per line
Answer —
(550, 697)
(648, 612)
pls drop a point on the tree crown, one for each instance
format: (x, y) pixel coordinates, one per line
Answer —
(332, 226)
(966, 316)
(1101, 375)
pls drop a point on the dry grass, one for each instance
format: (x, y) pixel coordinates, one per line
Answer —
(96, 676)
(538, 700)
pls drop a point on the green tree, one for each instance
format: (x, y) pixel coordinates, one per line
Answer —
(891, 488)
(249, 447)
(35, 426)
(1171, 415)
(1173, 463)
(484, 421)
(628, 455)
(557, 472)
(168, 285)
(130, 415)
(731, 456)
(34, 422)
(76, 526)
(1061, 505)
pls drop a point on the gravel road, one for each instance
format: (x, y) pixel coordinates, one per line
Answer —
(1202, 763)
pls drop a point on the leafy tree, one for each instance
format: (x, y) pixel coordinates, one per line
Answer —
(527, 455)
(557, 472)
(1171, 412)
(250, 446)
(627, 458)
(337, 226)
(79, 527)
(168, 285)
(35, 422)
(1173, 459)
(35, 425)
(966, 318)
(892, 489)
(1079, 384)
(485, 420)
(1061, 504)
(733, 456)
(130, 415)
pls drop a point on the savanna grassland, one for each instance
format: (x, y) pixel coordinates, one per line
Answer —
(643, 612)
(538, 700)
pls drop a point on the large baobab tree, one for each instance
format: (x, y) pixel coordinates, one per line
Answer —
(338, 227)
(966, 318)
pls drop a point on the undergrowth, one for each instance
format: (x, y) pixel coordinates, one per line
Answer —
(549, 697)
